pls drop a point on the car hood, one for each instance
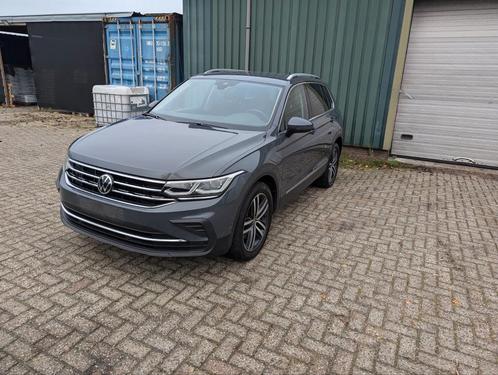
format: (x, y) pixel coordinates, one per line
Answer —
(156, 148)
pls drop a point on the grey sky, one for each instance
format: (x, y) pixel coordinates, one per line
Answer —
(30, 7)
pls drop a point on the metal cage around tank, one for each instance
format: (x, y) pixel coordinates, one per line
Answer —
(145, 51)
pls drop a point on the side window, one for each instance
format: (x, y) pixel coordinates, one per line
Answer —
(295, 107)
(328, 97)
(318, 101)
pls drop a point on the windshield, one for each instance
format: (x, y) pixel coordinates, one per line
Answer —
(226, 102)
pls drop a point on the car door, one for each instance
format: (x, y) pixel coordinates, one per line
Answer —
(294, 156)
(319, 112)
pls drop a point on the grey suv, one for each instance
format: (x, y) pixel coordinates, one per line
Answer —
(203, 171)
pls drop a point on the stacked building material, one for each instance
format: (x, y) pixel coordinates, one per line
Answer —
(22, 84)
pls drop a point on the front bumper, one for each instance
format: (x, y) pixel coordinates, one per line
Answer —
(178, 229)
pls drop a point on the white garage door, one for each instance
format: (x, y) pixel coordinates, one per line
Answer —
(448, 107)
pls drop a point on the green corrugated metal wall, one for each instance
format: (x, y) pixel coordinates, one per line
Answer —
(214, 33)
(351, 44)
(197, 36)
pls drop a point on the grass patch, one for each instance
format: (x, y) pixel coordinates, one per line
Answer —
(350, 162)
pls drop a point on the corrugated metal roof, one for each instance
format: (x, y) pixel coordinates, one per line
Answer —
(81, 17)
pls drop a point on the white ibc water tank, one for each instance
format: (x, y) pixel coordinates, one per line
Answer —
(113, 102)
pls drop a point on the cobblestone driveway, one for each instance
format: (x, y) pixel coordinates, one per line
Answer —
(391, 271)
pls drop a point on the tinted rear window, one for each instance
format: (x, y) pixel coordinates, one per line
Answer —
(319, 98)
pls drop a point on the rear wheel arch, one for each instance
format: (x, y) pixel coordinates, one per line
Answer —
(339, 142)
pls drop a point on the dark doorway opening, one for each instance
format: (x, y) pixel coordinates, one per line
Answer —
(17, 83)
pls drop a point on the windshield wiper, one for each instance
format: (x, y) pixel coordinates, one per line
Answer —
(148, 114)
(195, 123)
(203, 124)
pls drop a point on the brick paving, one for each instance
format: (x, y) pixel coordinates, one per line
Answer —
(392, 271)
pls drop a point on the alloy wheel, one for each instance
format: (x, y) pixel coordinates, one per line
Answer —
(333, 164)
(256, 222)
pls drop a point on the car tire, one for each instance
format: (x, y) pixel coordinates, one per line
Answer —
(328, 177)
(253, 223)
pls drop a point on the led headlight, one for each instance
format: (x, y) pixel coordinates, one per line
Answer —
(203, 188)
(66, 164)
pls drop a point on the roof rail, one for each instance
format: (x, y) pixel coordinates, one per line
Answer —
(213, 71)
(296, 75)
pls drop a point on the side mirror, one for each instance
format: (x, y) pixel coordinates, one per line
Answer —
(152, 104)
(299, 125)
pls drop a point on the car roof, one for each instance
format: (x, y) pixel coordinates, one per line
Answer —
(291, 78)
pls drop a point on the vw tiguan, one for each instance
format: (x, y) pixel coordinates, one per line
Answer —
(203, 171)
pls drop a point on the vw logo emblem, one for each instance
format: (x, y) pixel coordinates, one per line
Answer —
(104, 184)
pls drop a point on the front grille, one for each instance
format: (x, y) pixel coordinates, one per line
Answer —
(126, 188)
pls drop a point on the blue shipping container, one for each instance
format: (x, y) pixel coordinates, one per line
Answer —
(145, 51)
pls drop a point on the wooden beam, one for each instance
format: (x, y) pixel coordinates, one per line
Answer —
(398, 74)
(4, 82)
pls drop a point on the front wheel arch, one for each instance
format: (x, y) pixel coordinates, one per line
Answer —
(237, 249)
(272, 184)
